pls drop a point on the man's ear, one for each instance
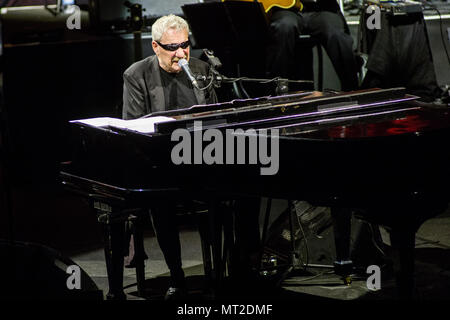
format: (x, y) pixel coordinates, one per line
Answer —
(154, 46)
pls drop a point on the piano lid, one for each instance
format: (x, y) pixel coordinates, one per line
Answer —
(283, 110)
(411, 119)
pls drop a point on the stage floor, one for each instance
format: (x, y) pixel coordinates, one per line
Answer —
(318, 284)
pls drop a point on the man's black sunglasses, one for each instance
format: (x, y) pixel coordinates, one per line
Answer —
(174, 46)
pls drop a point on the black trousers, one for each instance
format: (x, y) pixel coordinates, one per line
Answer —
(328, 27)
(400, 56)
(167, 234)
(247, 237)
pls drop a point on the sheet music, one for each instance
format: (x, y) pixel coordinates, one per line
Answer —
(143, 125)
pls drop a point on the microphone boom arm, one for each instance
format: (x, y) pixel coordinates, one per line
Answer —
(216, 78)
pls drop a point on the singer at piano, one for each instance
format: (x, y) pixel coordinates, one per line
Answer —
(158, 83)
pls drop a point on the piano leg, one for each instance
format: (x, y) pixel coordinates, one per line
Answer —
(343, 264)
(228, 239)
(114, 232)
(205, 238)
(215, 226)
(217, 257)
(403, 236)
(403, 244)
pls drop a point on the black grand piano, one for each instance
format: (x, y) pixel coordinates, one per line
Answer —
(379, 151)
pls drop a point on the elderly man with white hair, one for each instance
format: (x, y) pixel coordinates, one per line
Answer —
(157, 83)
(154, 84)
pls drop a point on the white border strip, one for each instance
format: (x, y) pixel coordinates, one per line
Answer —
(433, 17)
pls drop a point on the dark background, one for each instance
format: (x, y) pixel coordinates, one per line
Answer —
(51, 75)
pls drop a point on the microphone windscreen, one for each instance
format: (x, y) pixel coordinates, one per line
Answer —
(182, 62)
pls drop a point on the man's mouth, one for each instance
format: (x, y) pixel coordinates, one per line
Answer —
(175, 60)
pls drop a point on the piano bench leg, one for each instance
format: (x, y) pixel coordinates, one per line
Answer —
(114, 252)
(343, 266)
(140, 256)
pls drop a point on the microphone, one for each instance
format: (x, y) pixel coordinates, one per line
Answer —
(184, 65)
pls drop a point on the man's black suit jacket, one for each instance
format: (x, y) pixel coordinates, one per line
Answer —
(143, 92)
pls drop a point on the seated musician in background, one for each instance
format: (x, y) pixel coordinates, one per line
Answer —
(400, 56)
(157, 83)
(323, 20)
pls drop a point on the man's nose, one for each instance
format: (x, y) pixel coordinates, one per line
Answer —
(180, 53)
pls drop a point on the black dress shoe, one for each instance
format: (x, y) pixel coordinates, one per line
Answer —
(174, 294)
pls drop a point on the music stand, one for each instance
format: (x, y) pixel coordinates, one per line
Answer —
(235, 27)
(226, 24)
(238, 31)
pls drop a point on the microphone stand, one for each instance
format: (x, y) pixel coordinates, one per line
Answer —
(282, 84)
(216, 78)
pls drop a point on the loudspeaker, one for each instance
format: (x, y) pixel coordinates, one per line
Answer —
(32, 271)
(313, 238)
